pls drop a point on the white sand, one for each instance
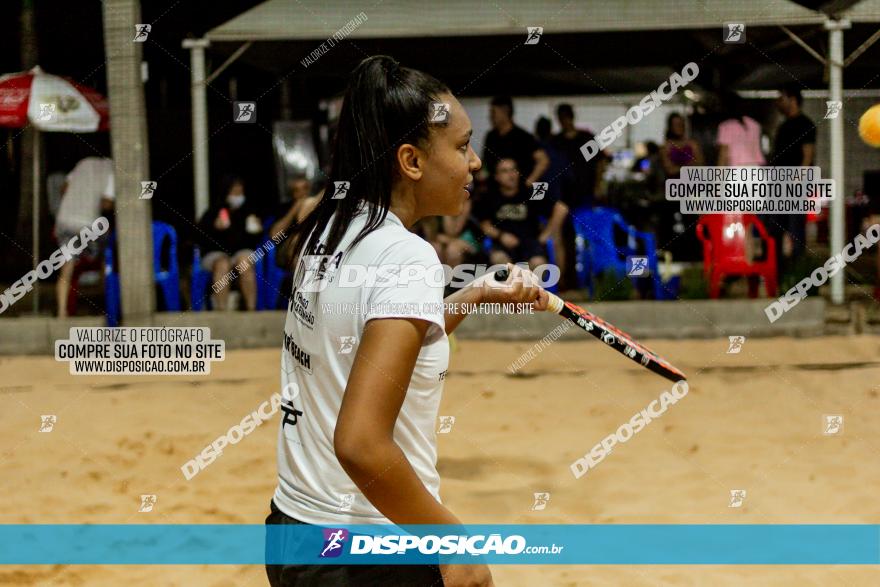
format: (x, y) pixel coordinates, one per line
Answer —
(751, 421)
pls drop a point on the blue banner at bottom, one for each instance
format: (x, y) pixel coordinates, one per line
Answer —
(563, 544)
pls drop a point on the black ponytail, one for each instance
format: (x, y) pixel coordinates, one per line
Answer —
(385, 105)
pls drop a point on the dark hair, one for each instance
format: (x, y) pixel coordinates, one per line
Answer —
(503, 101)
(226, 183)
(733, 106)
(543, 128)
(672, 116)
(384, 106)
(792, 90)
(564, 110)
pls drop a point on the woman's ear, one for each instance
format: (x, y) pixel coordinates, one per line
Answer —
(410, 159)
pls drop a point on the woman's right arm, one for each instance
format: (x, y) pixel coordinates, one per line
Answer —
(364, 436)
(364, 441)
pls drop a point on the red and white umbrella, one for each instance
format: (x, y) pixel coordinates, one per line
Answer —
(48, 103)
(51, 103)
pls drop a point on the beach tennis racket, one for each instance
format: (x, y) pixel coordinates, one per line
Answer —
(610, 335)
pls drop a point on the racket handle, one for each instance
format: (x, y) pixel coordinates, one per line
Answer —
(554, 304)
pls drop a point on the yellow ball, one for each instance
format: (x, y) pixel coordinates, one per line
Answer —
(869, 126)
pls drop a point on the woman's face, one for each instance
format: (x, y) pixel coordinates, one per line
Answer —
(676, 125)
(449, 166)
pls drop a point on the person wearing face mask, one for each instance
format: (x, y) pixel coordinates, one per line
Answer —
(228, 234)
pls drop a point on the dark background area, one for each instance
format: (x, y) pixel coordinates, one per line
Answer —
(70, 43)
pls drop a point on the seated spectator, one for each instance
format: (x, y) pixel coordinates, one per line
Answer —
(299, 188)
(511, 218)
(457, 237)
(87, 193)
(229, 232)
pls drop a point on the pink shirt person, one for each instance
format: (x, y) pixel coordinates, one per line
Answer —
(743, 141)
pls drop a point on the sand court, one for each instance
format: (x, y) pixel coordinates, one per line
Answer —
(751, 421)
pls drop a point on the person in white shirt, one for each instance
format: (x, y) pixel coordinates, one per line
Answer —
(88, 193)
(363, 366)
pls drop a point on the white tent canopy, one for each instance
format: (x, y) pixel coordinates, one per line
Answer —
(312, 19)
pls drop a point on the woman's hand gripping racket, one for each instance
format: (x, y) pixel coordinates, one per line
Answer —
(616, 339)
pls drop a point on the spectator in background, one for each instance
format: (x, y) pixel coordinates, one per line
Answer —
(795, 145)
(299, 188)
(457, 237)
(739, 136)
(559, 173)
(87, 193)
(739, 143)
(508, 141)
(511, 218)
(580, 185)
(229, 232)
(678, 151)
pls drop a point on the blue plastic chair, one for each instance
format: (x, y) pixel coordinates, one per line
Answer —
(272, 276)
(167, 275)
(596, 250)
(199, 283)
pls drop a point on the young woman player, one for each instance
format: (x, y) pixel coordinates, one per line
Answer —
(363, 367)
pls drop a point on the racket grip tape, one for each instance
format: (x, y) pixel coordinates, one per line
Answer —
(554, 304)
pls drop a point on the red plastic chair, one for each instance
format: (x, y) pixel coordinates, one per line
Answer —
(725, 254)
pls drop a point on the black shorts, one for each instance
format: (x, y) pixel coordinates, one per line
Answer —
(525, 250)
(347, 575)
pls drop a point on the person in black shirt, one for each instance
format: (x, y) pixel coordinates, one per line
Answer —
(795, 145)
(512, 219)
(228, 233)
(580, 188)
(579, 184)
(508, 141)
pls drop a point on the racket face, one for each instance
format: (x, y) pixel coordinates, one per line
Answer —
(621, 342)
